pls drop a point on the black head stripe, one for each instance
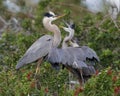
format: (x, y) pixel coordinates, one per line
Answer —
(72, 26)
(48, 15)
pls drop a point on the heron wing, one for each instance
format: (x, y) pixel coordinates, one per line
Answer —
(90, 53)
(76, 53)
(38, 49)
(80, 55)
(59, 56)
(68, 57)
(72, 57)
(89, 70)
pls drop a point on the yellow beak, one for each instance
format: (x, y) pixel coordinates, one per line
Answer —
(61, 16)
(61, 26)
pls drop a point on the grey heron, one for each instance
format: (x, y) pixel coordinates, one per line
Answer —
(88, 52)
(73, 58)
(68, 38)
(70, 29)
(41, 47)
(47, 46)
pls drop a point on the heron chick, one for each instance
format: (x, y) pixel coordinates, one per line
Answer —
(88, 52)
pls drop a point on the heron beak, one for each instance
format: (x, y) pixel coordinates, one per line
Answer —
(61, 26)
(61, 16)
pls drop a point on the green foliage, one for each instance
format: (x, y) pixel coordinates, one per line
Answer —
(103, 84)
(103, 37)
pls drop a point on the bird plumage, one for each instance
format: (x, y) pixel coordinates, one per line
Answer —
(37, 50)
(41, 47)
(85, 57)
(68, 56)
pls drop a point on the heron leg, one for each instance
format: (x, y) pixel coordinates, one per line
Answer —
(81, 81)
(38, 65)
(70, 71)
(37, 83)
(81, 77)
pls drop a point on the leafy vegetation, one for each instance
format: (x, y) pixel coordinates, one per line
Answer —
(103, 37)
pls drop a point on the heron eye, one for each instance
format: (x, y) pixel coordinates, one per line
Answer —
(48, 39)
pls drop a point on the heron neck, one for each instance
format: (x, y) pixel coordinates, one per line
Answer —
(67, 38)
(71, 34)
(73, 44)
(64, 44)
(57, 34)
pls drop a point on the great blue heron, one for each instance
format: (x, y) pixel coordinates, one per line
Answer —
(86, 50)
(74, 58)
(40, 48)
(68, 37)
(65, 44)
(70, 29)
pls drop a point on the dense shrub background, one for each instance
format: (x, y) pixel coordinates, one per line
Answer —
(104, 38)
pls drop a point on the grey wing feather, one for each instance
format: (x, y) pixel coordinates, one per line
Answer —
(90, 53)
(79, 64)
(68, 56)
(38, 49)
(90, 70)
(76, 52)
(57, 56)
(53, 56)
(79, 61)
(74, 57)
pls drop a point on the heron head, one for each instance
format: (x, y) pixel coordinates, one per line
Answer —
(70, 27)
(51, 16)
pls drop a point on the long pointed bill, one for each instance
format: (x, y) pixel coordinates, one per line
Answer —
(61, 16)
(61, 26)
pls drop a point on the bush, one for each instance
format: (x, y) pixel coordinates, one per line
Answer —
(104, 38)
(106, 83)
